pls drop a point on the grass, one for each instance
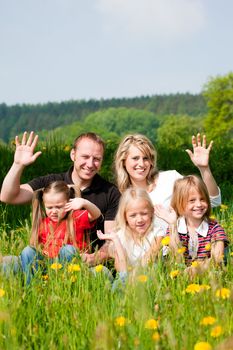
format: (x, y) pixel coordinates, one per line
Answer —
(79, 310)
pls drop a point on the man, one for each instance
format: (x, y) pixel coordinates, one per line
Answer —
(87, 156)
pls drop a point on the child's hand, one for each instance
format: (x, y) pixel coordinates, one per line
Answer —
(169, 215)
(74, 204)
(106, 236)
(89, 259)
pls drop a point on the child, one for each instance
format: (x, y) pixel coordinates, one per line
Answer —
(134, 241)
(203, 238)
(59, 222)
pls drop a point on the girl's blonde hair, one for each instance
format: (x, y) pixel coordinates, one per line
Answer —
(38, 210)
(146, 147)
(127, 198)
(181, 191)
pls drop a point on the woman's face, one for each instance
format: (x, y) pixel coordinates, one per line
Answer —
(137, 165)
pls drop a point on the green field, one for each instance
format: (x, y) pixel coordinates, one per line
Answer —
(160, 308)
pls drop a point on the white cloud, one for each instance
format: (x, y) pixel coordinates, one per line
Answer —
(167, 20)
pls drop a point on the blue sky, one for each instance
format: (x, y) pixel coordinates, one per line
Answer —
(58, 50)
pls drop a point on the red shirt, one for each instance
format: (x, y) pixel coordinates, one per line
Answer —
(52, 235)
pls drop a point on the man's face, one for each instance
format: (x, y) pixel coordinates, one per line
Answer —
(87, 158)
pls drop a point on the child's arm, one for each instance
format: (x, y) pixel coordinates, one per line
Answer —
(217, 251)
(169, 215)
(80, 203)
(152, 252)
(117, 251)
(217, 254)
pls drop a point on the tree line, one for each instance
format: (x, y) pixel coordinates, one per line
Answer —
(15, 119)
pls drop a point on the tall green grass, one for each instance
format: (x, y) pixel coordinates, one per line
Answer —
(79, 310)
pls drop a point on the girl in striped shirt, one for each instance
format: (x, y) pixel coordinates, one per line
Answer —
(191, 227)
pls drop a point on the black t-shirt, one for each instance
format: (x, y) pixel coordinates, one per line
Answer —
(102, 193)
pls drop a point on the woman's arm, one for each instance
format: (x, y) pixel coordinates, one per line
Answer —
(200, 158)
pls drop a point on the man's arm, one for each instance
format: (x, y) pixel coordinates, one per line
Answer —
(12, 191)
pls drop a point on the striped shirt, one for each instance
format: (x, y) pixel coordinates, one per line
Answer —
(207, 233)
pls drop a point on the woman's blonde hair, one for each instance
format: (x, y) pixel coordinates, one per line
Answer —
(38, 211)
(146, 147)
(127, 198)
(181, 191)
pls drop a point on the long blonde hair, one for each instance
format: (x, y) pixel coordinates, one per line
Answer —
(181, 191)
(145, 146)
(127, 198)
(38, 211)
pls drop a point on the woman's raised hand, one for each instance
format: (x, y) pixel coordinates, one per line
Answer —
(200, 154)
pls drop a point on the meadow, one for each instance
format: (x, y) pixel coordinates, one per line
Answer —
(72, 307)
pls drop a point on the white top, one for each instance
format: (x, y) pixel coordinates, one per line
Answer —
(163, 190)
(135, 251)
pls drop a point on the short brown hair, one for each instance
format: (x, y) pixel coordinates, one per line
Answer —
(89, 135)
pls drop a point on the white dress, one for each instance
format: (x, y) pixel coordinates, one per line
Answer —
(135, 251)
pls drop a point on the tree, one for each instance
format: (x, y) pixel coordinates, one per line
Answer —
(219, 121)
(176, 130)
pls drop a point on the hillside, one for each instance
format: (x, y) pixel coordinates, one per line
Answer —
(15, 119)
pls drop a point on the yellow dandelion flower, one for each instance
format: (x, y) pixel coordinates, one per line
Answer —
(193, 288)
(231, 254)
(195, 264)
(216, 331)
(2, 292)
(223, 207)
(142, 278)
(207, 321)
(74, 268)
(174, 273)
(202, 345)
(151, 324)
(208, 246)
(165, 240)
(99, 268)
(212, 217)
(181, 250)
(136, 342)
(67, 148)
(56, 266)
(155, 336)
(120, 321)
(223, 293)
(73, 278)
(45, 277)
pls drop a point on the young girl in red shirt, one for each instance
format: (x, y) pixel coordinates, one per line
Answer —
(59, 224)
